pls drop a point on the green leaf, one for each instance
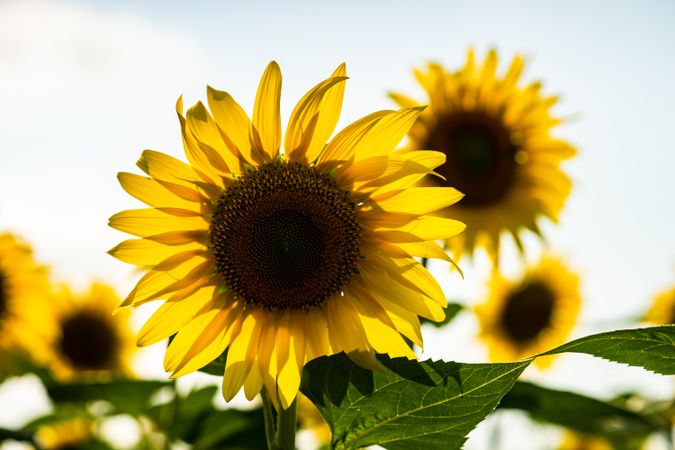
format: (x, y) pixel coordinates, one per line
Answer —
(652, 348)
(406, 404)
(126, 396)
(232, 429)
(586, 415)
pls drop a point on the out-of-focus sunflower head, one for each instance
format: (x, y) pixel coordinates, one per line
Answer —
(662, 311)
(496, 134)
(70, 434)
(24, 296)
(281, 252)
(524, 317)
(88, 340)
(576, 441)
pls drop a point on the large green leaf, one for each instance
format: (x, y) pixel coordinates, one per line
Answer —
(586, 415)
(652, 348)
(406, 404)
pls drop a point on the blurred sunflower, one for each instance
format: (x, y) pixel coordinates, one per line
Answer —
(576, 441)
(68, 434)
(495, 134)
(281, 258)
(531, 315)
(88, 340)
(24, 292)
(662, 311)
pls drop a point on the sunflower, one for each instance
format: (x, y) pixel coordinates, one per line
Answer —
(23, 293)
(70, 434)
(577, 441)
(662, 311)
(281, 257)
(495, 133)
(531, 315)
(88, 340)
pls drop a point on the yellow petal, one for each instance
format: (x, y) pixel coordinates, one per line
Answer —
(253, 383)
(379, 329)
(213, 152)
(266, 113)
(146, 222)
(404, 321)
(239, 359)
(290, 356)
(418, 200)
(341, 147)
(153, 193)
(143, 252)
(174, 314)
(165, 167)
(331, 105)
(302, 132)
(386, 133)
(235, 124)
(426, 228)
(206, 339)
(154, 285)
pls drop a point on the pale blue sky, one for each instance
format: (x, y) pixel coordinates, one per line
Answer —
(85, 86)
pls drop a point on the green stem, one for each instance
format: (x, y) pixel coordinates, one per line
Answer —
(286, 425)
(268, 412)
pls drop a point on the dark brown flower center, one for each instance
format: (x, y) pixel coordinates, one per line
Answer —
(3, 295)
(527, 312)
(89, 341)
(480, 156)
(285, 237)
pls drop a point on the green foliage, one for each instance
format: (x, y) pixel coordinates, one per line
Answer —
(406, 404)
(435, 404)
(651, 348)
(193, 419)
(624, 428)
(126, 396)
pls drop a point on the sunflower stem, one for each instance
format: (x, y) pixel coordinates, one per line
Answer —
(268, 412)
(286, 425)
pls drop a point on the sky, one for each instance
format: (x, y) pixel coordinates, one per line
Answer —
(86, 86)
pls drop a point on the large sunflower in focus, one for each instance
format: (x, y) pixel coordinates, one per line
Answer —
(495, 133)
(88, 340)
(536, 313)
(284, 256)
(23, 296)
(662, 311)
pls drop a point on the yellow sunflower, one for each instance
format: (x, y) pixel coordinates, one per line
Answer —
(495, 133)
(65, 435)
(534, 314)
(87, 339)
(282, 257)
(24, 292)
(576, 441)
(662, 311)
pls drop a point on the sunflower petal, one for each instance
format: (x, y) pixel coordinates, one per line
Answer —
(266, 113)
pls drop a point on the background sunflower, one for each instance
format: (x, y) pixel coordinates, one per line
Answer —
(531, 315)
(496, 134)
(24, 291)
(87, 340)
